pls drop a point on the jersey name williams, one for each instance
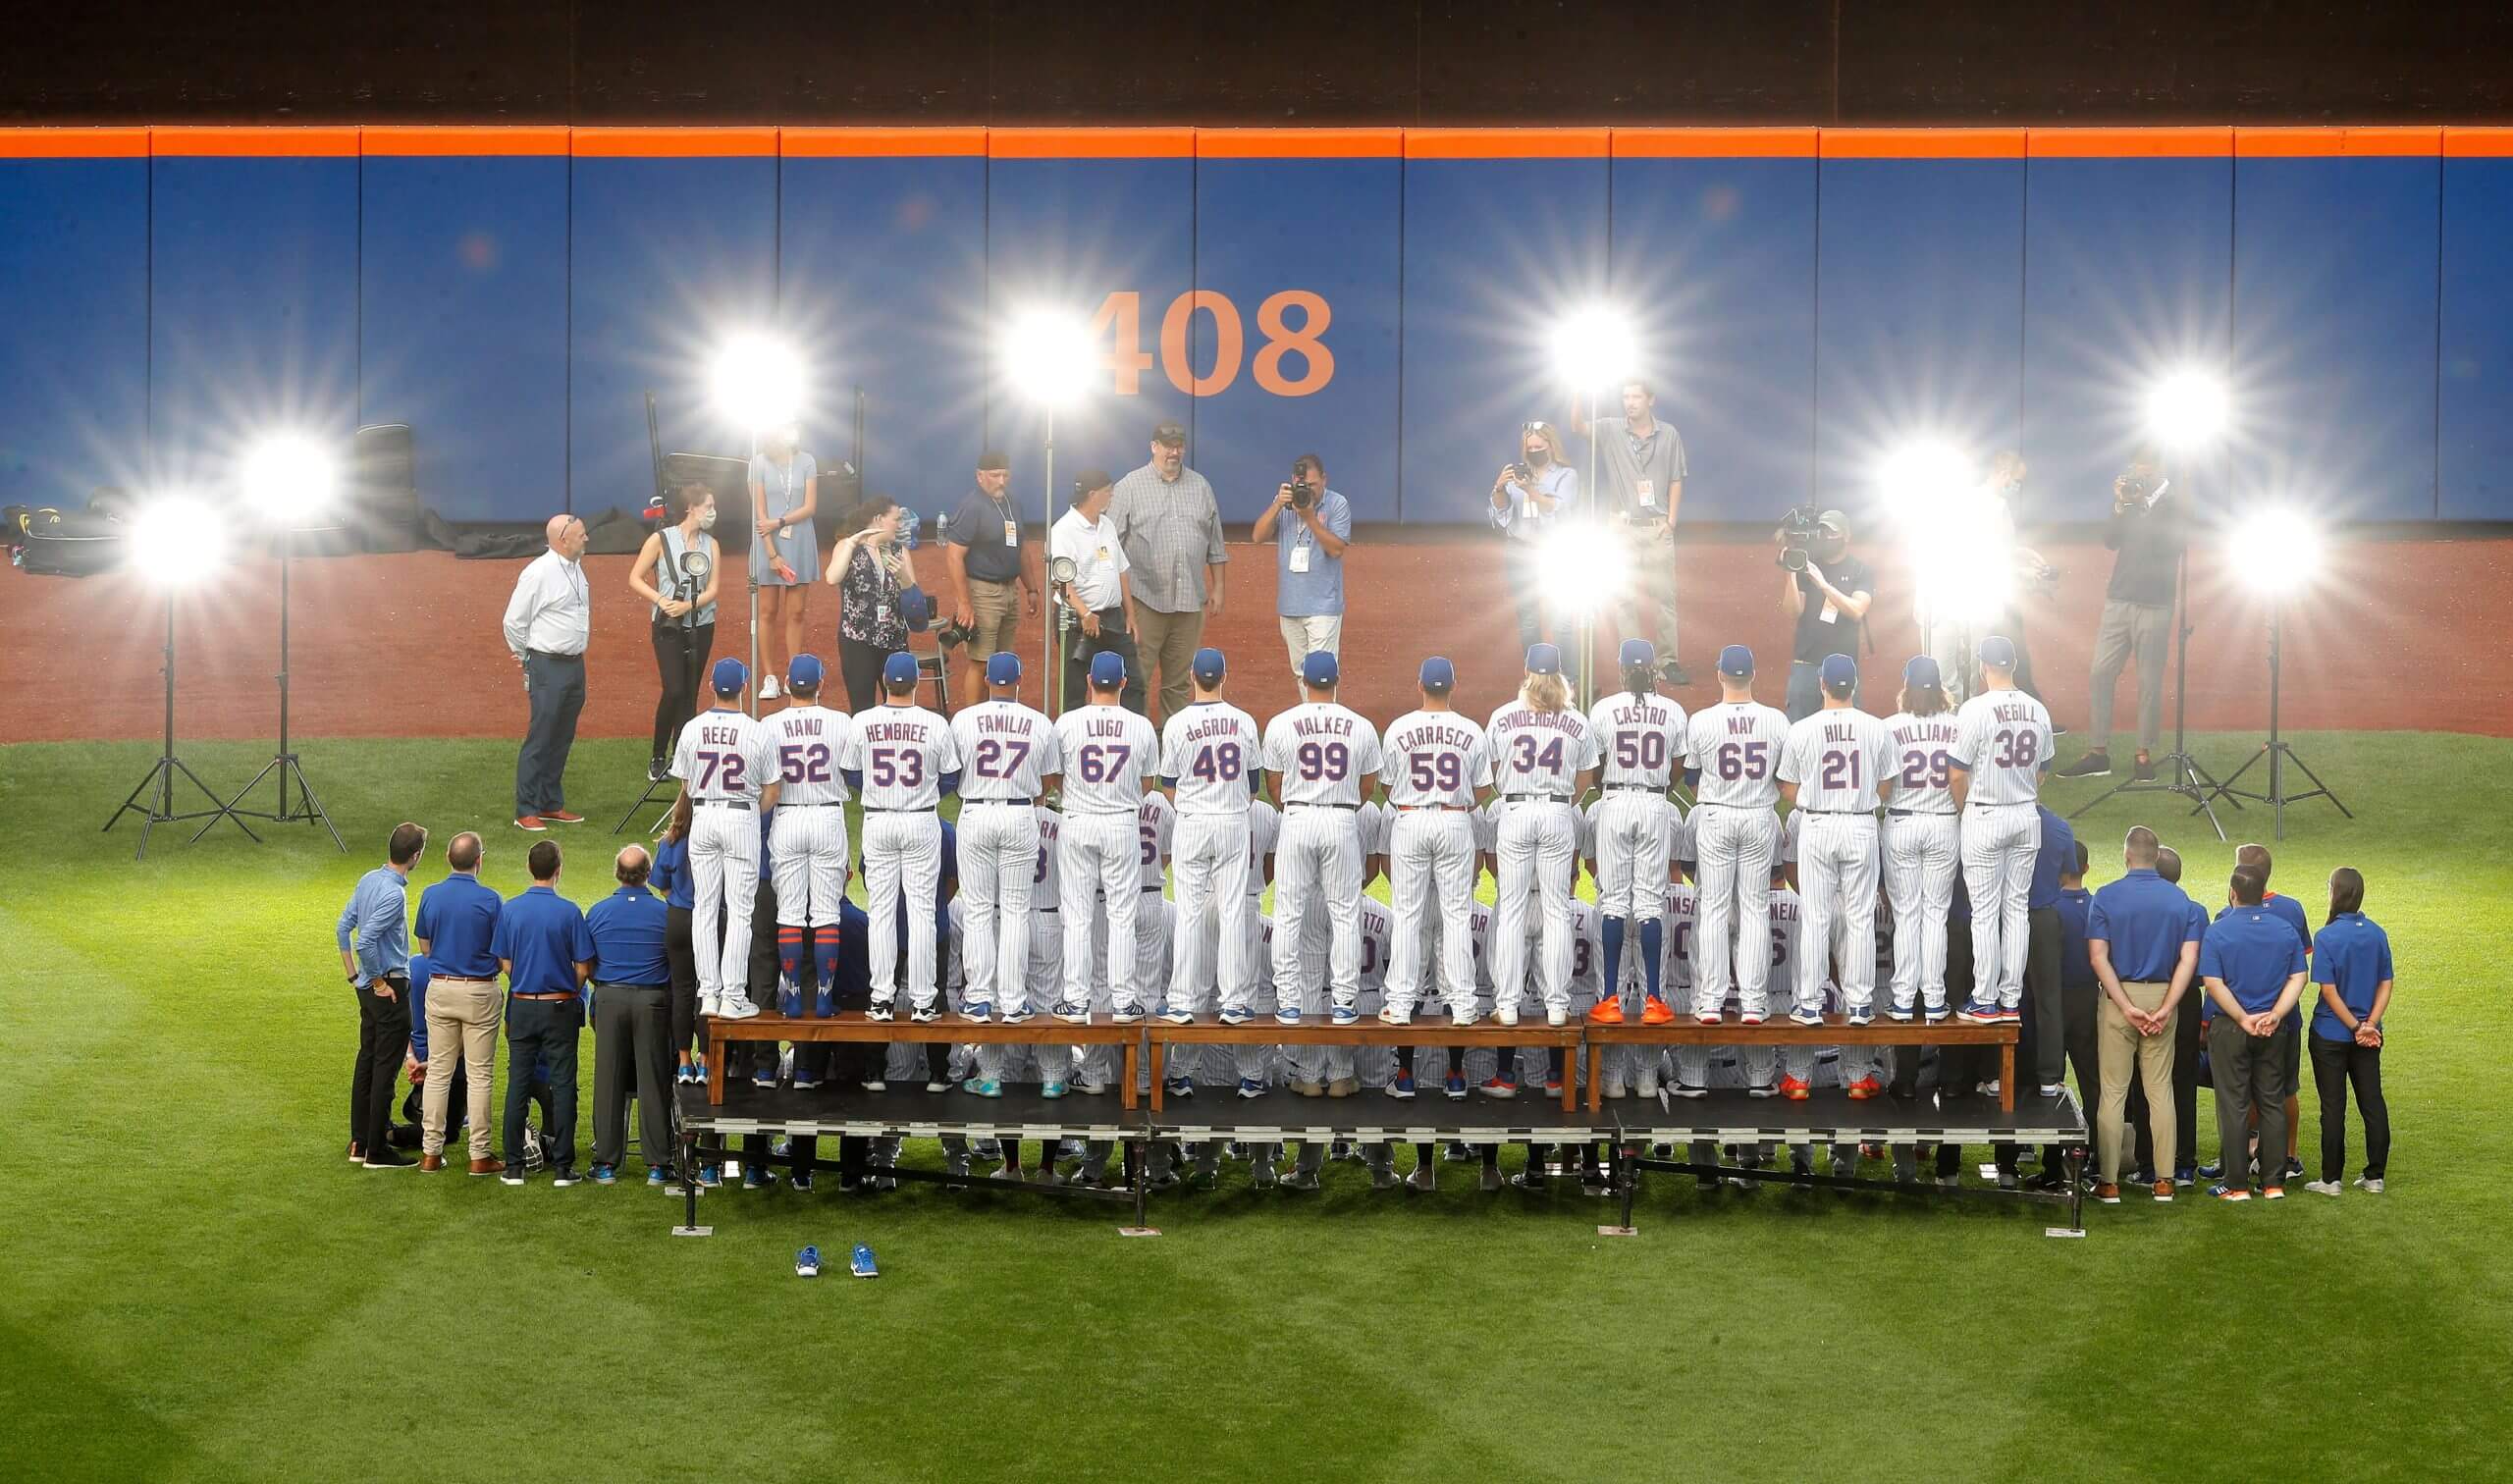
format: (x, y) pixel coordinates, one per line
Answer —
(1928, 729)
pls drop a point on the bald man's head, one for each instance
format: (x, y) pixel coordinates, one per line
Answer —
(566, 535)
(632, 866)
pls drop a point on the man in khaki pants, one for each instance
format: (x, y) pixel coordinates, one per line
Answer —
(458, 917)
(2144, 940)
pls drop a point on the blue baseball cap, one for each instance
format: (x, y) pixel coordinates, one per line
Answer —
(1209, 664)
(1840, 673)
(1002, 667)
(1921, 669)
(1544, 660)
(899, 669)
(1438, 674)
(730, 677)
(1318, 670)
(1107, 669)
(1998, 651)
(805, 672)
(1737, 661)
(1639, 653)
(916, 609)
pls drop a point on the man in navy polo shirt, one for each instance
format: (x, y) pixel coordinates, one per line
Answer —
(2255, 857)
(2254, 968)
(2046, 1027)
(458, 919)
(546, 953)
(2144, 942)
(632, 1021)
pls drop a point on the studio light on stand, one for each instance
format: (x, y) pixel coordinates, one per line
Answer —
(2276, 554)
(175, 542)
(292, 484)
(756, 384)
(1048, 358)
(1593, 347)
(2187, 413)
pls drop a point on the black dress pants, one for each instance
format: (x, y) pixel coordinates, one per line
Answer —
(383, 1041)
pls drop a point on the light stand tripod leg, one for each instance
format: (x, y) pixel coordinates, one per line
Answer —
(2176, 772)
(292, 773)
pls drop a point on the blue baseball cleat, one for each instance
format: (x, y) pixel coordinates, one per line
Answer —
(709, 1176)
(657, 1178)
(861, 1263)
(977, 1012)
(807, 1262)
(1072, 1013)
(1978, 1012)
(1287, 1015)
(1862, 1015)
(754, 1178)
(824, 1003)
(1126, 1015)
(1176, 1015)
(789, 997)
(1250, 1087)
(1178, 1087)
(604, 1174)
(982, 1087)
(1238, 1016)
(1019, 1016)
(1344, 1015)
(1805, 1016)
(1453, 1085)
(1051, 1090)
(1403, 1088)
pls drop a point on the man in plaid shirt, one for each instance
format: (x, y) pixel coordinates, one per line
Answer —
(1166, 516)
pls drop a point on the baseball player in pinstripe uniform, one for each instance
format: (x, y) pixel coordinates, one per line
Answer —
(1640, 744)
(900, 760)
(1156, 825)
(1324, 757)
(1212, 754)
(1008, 752)
(1833, 772)
(2002, 748)
(1735, 753)
(1437, 769)
(1109, 755)
(808, 840)
(1044, 971)
(727, 764)
(1922, 844)
(1543, 755)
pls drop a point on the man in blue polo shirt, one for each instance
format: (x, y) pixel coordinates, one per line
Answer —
(2144, 943)
(2254, 969)
(631, 1021)
(457, 919)
(2288, 910)
(546, 953)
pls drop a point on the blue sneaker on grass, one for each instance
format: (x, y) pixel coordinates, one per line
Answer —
(807, 1262)
(658, 1180)
(861, 1263)
(604, 1174)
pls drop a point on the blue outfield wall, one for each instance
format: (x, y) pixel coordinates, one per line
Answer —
(1803, 299)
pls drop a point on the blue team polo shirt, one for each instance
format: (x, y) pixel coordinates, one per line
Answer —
(2145, 919)
(2077, 965)
(2057, 853)
(543, 935)
(2253, 950)
(627, 928)
(2354, 955)
(458, 916)
(672, 876)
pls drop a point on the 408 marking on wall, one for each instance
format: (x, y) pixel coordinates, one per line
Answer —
(1120, 321)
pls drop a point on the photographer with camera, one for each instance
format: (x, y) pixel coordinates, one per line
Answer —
(1530, 499)
(1095, 589)
(2149, 526)
(677, 572)
(1640, 492)
(983, 548)
(1309, 585)
(1826, 592)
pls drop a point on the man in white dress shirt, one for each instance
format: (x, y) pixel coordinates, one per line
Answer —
(548, 620)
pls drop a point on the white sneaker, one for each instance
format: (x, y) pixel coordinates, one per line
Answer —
(1557, 1015)
(1648, 1086)
(1615, 1089)
(705, 1004)
(736, 1007)
(768, 689)
(1507, 1015)
(2324, 1186)
(2371, 1185)
(1391, 1014)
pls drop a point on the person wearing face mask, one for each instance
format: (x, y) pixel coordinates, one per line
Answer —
(1531, 498)
(547, 623)
(684, 610)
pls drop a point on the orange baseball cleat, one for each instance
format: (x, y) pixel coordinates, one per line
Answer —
(1794, 1088)
(1654, 1012)
(1864, 1089)
(1606, 1012)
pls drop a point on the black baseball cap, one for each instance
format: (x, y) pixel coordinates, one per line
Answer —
(993, 458)
(1171, 432)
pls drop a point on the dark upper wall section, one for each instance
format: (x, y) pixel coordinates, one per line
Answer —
(1283, 62)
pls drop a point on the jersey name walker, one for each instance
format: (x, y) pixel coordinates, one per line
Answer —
(1538, 752)
(1736, 745)
(809, 740)
(1319, 752)
(1837, 759)
(1435, 759)
(1923, 760)
(1006, 750)
(724, 758)
(2003, 737)
(903, 752)
(1209, 749)
(1641, 739)
(1109, 754)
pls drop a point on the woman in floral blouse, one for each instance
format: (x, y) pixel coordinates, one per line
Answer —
(869, 570)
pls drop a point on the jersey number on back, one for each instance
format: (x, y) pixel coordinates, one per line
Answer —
(1217, 763)
(1842, 770)
(1744, 761)
(1643, 751)
(1529, 760)
(893, 768)
(1000, 760)
(1328, 762)
(719, 767)
(1438, 772)
(803, 762)
(2017, 749)
(1101, 762)
(1926, 769)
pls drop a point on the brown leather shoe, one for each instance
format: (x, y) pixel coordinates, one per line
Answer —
(490, 1166)
(431, 1161)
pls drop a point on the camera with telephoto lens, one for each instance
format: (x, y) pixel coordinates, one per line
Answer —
(951, 636)
(1796, 537)
(2132, 488)
(1304, 493)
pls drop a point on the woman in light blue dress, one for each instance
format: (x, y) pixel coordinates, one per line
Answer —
(784, 553)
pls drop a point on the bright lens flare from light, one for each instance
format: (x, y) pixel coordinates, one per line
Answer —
(288, 477)
(1580, 570)
(2275, 550)
(176, 540)
(758, 383)
(1962, 574)
(1920, 480)
(1594, 346)
(1049, 357)
(2187, 409)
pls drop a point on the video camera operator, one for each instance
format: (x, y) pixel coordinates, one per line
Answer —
(2149, 526)
(1309, 586)
(1826, 592)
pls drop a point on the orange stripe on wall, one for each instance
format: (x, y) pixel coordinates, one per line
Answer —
(434, 139)
(2478, 143)
(2323, 143)
(1923, 144)
(1507, 143)
(853, 143)
(1715, 143)
(74, 144)
(1300, 143)
(1091, 143)
(672, 144)
(2129, 143)
(299, 144)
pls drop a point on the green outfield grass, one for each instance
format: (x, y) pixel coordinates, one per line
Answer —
(197, 1286)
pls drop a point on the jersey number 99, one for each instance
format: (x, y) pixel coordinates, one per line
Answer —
(1326, 761)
